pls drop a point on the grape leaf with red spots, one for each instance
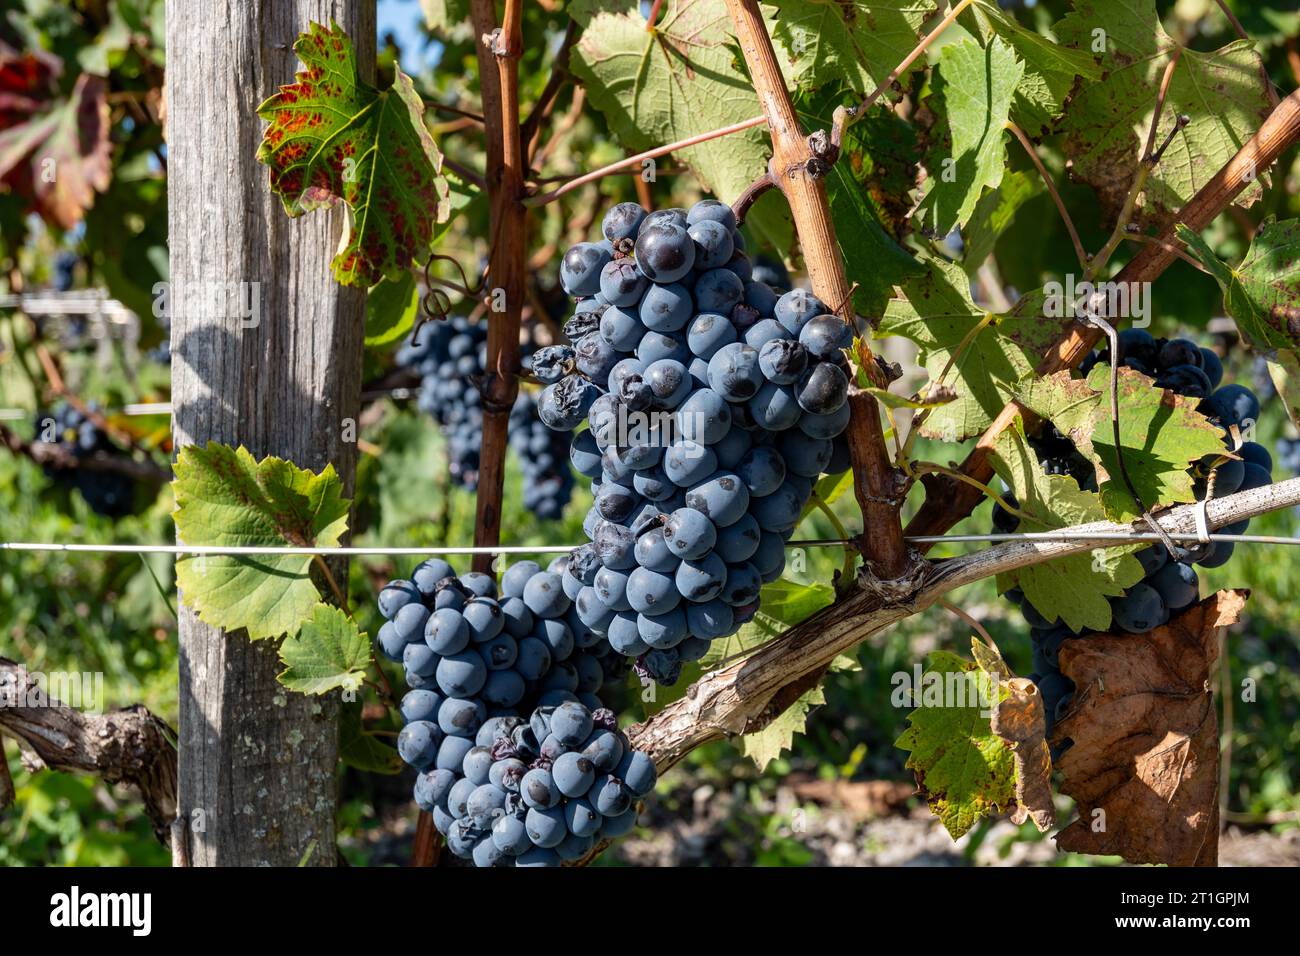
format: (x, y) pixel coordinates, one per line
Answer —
(335, 138)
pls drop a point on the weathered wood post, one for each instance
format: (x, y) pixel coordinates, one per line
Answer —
(278, 370)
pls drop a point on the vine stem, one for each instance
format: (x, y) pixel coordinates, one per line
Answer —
(638, 158)
(499, 51)
(333, 584)
(876, 483)
(948, 502)
(929, 467)
(965, 616)
(1019, 134)
(844, 117)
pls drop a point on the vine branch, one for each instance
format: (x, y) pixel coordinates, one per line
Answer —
(638, 158)
(795, 168)
(130, 746)
(738, 699)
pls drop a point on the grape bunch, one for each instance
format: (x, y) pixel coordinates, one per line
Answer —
(470, 652)
(1170, 584)
(713, 405)
(477, 659)
(108, 493)
(538, 790)
(451, 357)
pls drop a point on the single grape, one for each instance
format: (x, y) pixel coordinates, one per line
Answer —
(723, 499)
(663, 630)
(712, 210)
(651, 592)
(718, 290)
(823, 389)
(581, 266)
(664, 251)
(775, 407)
(713, 245)
(1140, 610)
(622, 221)
(735, 372)
(794, 309)
(762, 470)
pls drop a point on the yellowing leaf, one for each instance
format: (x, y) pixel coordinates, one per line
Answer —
(679, 80)
(858, 44)
(766, 745)
(978, 354)
(966, 770)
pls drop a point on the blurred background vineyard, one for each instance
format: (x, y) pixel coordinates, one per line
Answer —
(840, 794)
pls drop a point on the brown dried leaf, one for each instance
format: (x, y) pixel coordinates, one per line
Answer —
(1146, 739)
(1019, 721)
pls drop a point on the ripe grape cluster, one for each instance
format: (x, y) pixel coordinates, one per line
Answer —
(1170, 584)
(713, 405)
(503, 686)
(108, 493)
(538, 790)
(451, 357)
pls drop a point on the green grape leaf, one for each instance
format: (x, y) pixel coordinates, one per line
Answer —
(333, 138)
(994, 214)
(225, 498)
(1161, 433)
(1075, 588)
(988, 353)
(873, 261)
(677, 81)
(859, 44)
(975, 85)
(363, 750)
(326, 654)
(782, 604)
(1107, 122)
(1051, 70)
(766, 745)
(966, 771)
(1262, 295)
(57, 154)
(391, 307)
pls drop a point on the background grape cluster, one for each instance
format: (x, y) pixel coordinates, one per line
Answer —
(451, 358)
(746, 394)
(1170, 584)
(474, 655)
(108, 493)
